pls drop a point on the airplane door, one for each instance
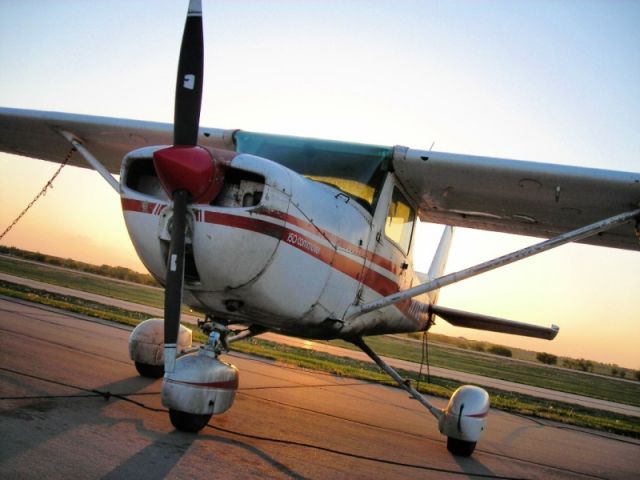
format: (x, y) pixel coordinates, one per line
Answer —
(387, 267)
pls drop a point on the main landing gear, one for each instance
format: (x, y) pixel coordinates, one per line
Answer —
(201, 385)
(462, 421)
(146, 347)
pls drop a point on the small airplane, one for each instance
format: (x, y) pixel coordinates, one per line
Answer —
(307, 237)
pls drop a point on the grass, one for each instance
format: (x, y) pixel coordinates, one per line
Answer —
(608, 369)
(153, 297)
(509, 401)
(72, 304)
(502, 368)
(440, 355)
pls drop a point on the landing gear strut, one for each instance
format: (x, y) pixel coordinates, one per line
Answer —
(464, 418)
(435, 411)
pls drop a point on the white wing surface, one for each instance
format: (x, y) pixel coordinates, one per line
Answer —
(525, 198)
(37, 134)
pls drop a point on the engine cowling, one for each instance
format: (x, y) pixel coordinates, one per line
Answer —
(465, 416)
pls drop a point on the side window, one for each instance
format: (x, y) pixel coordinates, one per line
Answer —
(400, 220)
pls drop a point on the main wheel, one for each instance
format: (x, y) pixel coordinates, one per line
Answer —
(188, 422)
(461, 448)
(150, 371)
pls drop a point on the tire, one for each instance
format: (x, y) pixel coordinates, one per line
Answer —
(188, 422)
(460, 448)
(150, 371)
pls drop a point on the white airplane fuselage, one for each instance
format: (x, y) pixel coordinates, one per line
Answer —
(278, 250)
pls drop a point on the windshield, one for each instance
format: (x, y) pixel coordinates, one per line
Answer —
(358, 170)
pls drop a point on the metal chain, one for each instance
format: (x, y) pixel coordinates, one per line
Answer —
(425, 350)
(47, 185)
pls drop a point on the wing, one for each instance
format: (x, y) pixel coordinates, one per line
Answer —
(524, 198)
(478, 192)
(36, 134)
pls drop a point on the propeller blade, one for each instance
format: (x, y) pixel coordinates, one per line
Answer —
(189, 82)
(174, 279)
(187, 172)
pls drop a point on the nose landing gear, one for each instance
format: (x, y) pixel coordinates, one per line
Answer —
(201, 385)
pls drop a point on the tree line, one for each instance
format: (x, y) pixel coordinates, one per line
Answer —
(121, 273)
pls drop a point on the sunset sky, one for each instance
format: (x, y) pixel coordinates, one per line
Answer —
(553, 81)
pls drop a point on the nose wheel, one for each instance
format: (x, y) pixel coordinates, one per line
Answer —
(188, 422)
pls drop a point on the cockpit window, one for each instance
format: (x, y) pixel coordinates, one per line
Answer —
(400, 220)
(358, 170)
(363, 193)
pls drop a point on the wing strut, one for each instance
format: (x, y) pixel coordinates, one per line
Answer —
(91, 160)
(526, 252)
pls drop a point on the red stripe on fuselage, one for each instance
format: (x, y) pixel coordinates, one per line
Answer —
(371, 278)
(354, 269)
(301, 242)
(132, 205)
(336, 240)
(245, 223)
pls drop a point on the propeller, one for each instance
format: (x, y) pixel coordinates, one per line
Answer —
(187, 172)
(189, 82)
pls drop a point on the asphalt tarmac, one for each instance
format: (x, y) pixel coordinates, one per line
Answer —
(357, 355)
(72, 406)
